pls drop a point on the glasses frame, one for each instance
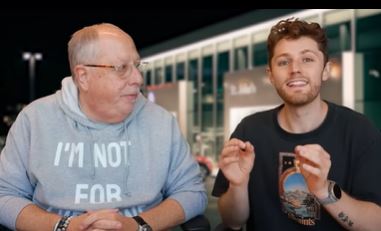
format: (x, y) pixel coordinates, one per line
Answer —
(141, 65)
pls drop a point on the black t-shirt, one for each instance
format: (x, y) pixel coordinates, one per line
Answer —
(278, 198)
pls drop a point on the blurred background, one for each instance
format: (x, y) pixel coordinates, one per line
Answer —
(207, 66)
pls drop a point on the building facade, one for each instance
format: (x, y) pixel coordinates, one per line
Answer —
(354, 45)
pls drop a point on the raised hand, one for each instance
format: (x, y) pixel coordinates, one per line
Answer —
(315, 164)
(237, 160)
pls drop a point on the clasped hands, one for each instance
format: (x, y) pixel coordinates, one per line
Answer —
(104, 219)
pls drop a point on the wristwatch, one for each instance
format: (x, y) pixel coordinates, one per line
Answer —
(334, 193)
(142, 224)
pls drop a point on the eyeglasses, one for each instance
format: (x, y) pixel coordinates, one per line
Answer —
(124, 70)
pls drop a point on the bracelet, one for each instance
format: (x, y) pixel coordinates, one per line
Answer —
(63, 223)
(56, 225)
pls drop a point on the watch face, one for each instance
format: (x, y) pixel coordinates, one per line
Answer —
(337, 191)
(146, 228)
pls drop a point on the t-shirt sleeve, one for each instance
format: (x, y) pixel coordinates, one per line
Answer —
(366, 184)
(221, 184)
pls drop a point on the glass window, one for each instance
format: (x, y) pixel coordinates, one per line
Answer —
(369, 44)
(148, 78)
(339, 37)
(180, 71)
(168, 74)
(193, 70)
(207, 116)
(368, 33)
(207, 93)
(207, 75)
(260, 55)
(193, 76)
(158, 75)
(240, 58)
(222, 68)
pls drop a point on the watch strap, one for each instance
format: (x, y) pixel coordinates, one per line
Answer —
(139, 220)
(143, 225)
(331, 198)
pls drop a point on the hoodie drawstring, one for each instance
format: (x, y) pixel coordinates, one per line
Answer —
(127, 161)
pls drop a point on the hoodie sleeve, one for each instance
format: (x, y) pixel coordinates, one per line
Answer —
(15, 188)
(185, 183)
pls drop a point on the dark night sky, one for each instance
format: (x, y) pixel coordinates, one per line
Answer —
(48, 31)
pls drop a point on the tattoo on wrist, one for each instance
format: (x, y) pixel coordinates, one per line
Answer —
(345, 219)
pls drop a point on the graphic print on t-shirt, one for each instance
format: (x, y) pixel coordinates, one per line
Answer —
(297, 202)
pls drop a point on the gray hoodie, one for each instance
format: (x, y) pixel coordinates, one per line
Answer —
(65, 163)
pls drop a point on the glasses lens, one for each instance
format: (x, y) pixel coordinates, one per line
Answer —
(126, 70)
(122, 69)
(142, 66)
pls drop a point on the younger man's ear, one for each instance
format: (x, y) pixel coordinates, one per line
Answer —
(269, 74)
(327, 71)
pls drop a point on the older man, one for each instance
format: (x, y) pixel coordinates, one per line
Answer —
(97, 154)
